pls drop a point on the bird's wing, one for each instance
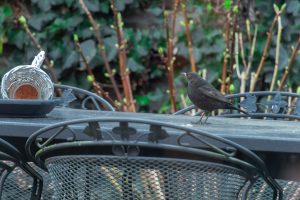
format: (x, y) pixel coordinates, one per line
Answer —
(212, 93)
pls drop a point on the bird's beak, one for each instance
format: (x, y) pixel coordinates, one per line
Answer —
(184, 74)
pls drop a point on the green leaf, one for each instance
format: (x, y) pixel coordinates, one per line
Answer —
(197, 54)
(156, 95)
(276, 9)
(141, 50)
(74, 21)
(104, 7)
(71, 59)
(112, 51)
(142, 100)
(283, 7)
(57, 25)
(44, 5)
(92, 5)
(85, 33)
(120, 5)
(155, 11)
(18, 38)
(134, 66)
(89, 50)
(293, 7)
(209, 7)
(69, 2)
(37, 21)
(7, 11)
(227, 4)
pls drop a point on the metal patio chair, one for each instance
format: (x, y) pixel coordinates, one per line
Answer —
(121, 158)
(262, 105)
(75, 97)
(12, 167)
(72, 97)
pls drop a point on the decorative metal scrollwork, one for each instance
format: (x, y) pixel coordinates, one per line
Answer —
(157, 133)
(124, 130)
(126, 150)
(227, 151)
(276, 103)
(41, 143)
(93, 130)
(85, 100)
(297, 108)
(249, 103)
(66, 98)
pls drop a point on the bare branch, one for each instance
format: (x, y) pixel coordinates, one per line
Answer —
(264, 56)
(102, 50)
(124, 71)
(290, 64)
(96, 85)
(188, 36)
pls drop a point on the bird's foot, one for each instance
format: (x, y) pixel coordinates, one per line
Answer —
(199, 122)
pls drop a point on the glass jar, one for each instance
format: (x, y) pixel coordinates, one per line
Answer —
(27, 82)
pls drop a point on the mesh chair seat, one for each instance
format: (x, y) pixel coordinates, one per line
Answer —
(115, 177)
(18, 185)
(261, 191)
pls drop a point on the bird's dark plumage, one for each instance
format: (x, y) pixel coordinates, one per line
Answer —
(205, 96)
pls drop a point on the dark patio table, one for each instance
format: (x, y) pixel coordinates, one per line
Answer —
(276, 140)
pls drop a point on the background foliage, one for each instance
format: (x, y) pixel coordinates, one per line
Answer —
(54, 22)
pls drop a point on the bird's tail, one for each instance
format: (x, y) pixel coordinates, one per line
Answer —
(236, 108)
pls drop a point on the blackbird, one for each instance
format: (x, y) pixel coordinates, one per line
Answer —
(204, 96)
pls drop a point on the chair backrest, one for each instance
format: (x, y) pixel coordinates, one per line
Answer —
(79, 98)
(115, 158)
(13, 169)
(262, 104)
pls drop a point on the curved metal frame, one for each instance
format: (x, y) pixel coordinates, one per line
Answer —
(8, 169)
(90, 96)
(157, 133)
(10, 153)
(254, 114)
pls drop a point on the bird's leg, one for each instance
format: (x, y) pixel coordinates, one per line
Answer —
(205, 122)
(200, 120)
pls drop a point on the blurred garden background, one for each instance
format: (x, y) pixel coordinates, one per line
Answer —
(132, 52)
